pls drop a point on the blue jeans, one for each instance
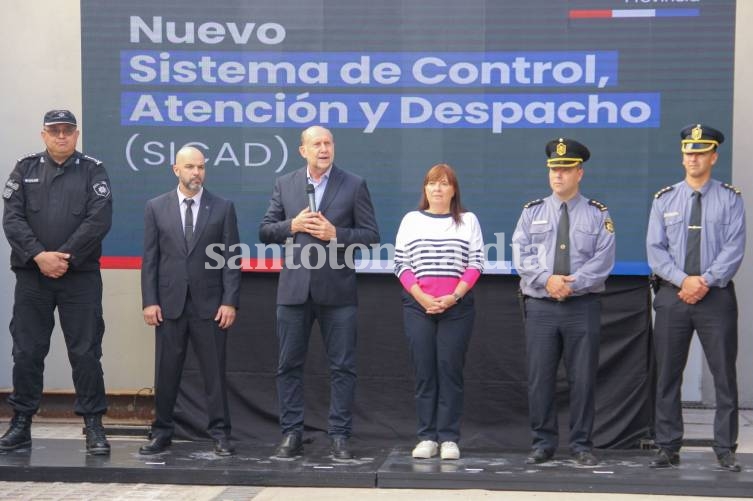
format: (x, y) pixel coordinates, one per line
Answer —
(338, 326)
(438, 344)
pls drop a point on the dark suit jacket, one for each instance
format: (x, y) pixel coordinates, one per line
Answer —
(170, 268)
(347, 205)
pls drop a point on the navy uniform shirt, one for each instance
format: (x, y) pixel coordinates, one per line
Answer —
(57, 207)
(722, 232)
(592, 245)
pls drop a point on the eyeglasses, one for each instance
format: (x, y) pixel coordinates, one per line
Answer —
(66, 130)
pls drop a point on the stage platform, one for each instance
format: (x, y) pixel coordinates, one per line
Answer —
(57, 460)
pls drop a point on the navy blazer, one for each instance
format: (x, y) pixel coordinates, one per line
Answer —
(171, 268)
(346, 204)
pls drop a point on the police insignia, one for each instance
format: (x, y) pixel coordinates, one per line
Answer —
(533, 203)
(598, 205)
(663, 191)
(609, 225)
(7, 192)
(98, 162)
(101, 189)
(12, 185)
(732, 188)
(561, 148)
(697, 132)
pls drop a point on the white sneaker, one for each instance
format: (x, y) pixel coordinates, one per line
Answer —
(450, 450)
(425, 449)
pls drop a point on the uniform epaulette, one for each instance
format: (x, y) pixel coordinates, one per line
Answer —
(663, 191)
(30, 155)
(533, 203)
(735, 190)
(598, 205)
(98, 162)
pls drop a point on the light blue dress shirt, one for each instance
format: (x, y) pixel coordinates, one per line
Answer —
(722, 232)
(592, 245)
(319, 186)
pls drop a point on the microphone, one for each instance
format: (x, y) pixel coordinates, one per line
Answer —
(312, 198)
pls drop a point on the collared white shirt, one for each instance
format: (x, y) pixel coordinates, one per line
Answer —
(194, 208)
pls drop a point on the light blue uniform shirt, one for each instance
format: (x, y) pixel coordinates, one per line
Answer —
(722, 232)
(592, 245)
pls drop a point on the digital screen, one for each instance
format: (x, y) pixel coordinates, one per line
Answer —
(403, 85)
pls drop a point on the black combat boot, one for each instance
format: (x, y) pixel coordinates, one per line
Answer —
(96, 441)
(18, 434)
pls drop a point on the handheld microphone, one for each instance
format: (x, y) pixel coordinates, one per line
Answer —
(312, 198)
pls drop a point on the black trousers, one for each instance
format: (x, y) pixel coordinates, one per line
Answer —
(714, 318)
(78, 299)
(567, 330)
(338, 325)
(208, 342)
(438, 344)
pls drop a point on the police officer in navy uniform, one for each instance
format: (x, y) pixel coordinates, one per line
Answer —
(58, 208)
(564, 250)
(695, 244)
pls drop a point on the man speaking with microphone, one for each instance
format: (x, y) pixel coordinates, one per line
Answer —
(311, 208)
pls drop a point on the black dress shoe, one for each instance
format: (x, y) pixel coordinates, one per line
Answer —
(728, 461)
(291, 446)
(539, 456)
(585, 458)
(222, 447)
(665, 459)
(340, 449)
(155, 446)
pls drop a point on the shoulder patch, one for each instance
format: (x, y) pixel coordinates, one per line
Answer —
(663, 191)
(533, 203)
(598, 205)
(92, 159)
(30, 155)
(732, 188)
(101, 189)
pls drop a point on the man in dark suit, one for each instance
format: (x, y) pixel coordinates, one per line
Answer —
(316, 282)
(186, 294)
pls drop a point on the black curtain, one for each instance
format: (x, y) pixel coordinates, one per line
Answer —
(495, 412)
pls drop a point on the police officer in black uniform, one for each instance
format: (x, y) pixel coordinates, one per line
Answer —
(58, 208)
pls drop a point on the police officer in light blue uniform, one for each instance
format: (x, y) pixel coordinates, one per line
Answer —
(564, 250)
(695, 244)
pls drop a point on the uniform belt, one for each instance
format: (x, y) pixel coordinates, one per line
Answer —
(569, 299)
(660, 282)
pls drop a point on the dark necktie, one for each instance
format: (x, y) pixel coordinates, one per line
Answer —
(188, 229)
(562, 252)
(693, 245)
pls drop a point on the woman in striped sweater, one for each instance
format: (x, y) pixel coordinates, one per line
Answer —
(439, 256)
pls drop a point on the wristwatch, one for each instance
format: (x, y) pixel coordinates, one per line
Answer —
(457, 297)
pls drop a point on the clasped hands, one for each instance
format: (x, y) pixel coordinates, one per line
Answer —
(694, 288)
(52, 264)
(558, 286)
(313, 223)
(435, 305)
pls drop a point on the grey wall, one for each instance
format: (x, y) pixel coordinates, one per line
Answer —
(41, 53)
(41, 48)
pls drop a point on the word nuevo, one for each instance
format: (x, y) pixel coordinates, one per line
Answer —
(209, 32)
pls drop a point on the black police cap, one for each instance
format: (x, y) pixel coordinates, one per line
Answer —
(700, 138)
(563, 152)
(53, 117)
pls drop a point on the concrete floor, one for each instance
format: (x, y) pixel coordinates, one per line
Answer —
(698, 425)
